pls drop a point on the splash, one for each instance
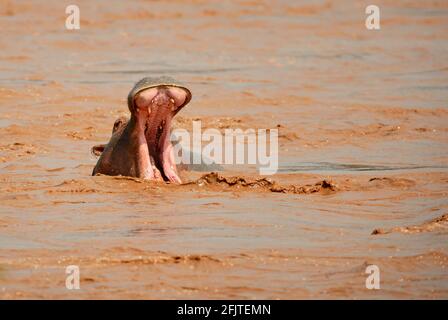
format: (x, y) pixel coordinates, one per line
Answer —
(263, 184)
(439, 223)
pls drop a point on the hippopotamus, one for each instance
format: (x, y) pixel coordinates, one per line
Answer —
(140, 146)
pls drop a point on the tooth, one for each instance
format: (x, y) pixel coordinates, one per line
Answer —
(172, 100)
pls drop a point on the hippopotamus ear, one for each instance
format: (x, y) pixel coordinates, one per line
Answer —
(98, 149)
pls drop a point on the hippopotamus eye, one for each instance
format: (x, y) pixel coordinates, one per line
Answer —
(117, 124)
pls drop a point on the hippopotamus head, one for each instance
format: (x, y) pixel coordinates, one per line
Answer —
(141, 147)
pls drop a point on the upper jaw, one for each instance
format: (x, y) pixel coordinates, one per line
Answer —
(179, 96)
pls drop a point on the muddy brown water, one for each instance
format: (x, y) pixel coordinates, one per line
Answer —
(366, 110)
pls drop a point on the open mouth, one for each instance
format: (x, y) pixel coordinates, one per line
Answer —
(154, 108)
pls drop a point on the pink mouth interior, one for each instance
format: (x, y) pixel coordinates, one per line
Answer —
(155, 108)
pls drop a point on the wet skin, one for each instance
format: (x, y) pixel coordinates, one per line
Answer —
(141, 147)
